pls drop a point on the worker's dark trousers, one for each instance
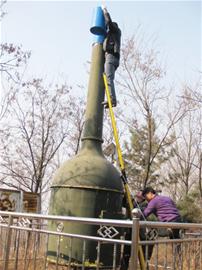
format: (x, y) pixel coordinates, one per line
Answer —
(127, 249)
(175, 233)
(111, 64)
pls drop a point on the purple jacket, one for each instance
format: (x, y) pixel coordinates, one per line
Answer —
(163, 208)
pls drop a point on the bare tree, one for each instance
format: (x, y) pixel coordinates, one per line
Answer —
(76, 122)
(40, 122)
(185, 166)
(193, 93)
(13, 60)
(140, 79)
(184, 157)
(2, 12)
(12, 57)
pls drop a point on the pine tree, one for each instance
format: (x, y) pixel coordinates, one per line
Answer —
(144, 157)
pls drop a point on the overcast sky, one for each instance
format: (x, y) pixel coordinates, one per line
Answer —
(57, 33)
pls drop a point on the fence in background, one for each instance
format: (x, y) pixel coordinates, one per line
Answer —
(24, 240)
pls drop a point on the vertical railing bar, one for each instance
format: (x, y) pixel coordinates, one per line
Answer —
(98, 257)
(26, 249)
(1, 240)
(17, 249)
(156, 257)
(70, 253)
(191, 258)
(195, 255)
(200, 255)
(179, 251)
(188, 256)
(189, 252)
(146, 253)
(177, 255)
(165, 257)
(35, 248)
(58, 252)
(46, 250)
(173, 255)
(7, 243)
(13, 241)
(121, 248)
(114, 256)
(135, 244)
(83, 254)
(182, 255)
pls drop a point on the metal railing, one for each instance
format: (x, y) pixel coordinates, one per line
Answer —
(183, 253)
(24, 243)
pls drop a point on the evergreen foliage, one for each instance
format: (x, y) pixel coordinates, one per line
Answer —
(190, 208)
(137, 157)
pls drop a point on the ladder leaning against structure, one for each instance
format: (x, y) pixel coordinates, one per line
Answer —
(122, 167)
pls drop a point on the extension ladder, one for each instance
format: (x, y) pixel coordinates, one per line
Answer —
(122, 167)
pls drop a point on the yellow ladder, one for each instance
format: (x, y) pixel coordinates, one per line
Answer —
(122, 166)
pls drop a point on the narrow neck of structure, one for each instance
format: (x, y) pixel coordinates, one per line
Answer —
(92, 133)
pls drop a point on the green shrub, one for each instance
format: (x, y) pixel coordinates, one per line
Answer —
(190, 209)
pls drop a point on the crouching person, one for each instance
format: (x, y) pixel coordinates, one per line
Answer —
(139, 204)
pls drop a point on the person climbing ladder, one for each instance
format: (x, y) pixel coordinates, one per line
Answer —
(111, 47)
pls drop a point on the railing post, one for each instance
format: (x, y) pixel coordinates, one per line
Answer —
(7, 243)
(134, 245)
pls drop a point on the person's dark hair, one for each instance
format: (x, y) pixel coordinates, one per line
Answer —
(115, 24)
(147, 190)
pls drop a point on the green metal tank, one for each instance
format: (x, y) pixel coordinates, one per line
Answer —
(88, 185)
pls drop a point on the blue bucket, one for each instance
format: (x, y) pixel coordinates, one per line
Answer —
(98, 25)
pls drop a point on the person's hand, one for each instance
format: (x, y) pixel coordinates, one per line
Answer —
(104, 8)
(136, 212)
(139, 198)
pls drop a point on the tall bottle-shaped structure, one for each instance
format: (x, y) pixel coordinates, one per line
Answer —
(88, 185)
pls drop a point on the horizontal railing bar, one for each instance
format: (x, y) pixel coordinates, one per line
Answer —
(118, 223)
(194, 233)
(160, 266)
(95, 221)
(86, 237)
(166, 241)
(156, 224)
(28, 259)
